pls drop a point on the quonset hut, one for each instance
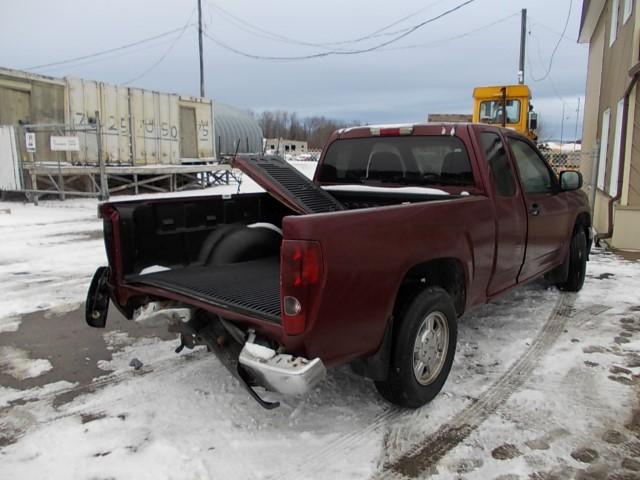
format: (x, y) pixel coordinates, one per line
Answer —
(235, 130)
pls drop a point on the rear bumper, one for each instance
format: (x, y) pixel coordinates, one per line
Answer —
(281, 373)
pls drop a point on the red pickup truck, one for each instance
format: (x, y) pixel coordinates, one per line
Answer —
(402, 230)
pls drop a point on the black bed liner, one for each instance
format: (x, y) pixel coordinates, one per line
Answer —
(248, 287)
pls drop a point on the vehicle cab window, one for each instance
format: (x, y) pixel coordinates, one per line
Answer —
(405, 161)
(491, 111)
(499, 164)
(535, 175)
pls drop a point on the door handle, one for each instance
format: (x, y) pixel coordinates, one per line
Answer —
(535, 209)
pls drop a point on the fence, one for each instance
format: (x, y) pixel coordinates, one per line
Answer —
(565, 160)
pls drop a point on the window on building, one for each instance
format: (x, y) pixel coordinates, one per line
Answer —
(615, 163)
(535, 175)
(604, 145)
(615, 10)
(499, 165)
(628, 6)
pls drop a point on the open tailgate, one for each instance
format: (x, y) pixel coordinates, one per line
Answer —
(287, 184)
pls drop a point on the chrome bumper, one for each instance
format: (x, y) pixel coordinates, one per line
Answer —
(281, 372)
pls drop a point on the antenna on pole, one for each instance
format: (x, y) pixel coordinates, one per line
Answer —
(523, 38)
(200, 48)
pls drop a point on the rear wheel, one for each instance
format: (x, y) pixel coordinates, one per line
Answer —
(577, 262)
(423, 350)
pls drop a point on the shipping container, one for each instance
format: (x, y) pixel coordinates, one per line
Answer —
(139, 127)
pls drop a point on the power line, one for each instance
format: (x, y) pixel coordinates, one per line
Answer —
(540, 59)
(167, 51)
(263, 33)
(555, 49)
(407, 32)
(107, 57)
(455, 37)
(550, 29)
(104, 52)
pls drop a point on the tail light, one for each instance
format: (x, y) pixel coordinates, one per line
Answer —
(300, 276)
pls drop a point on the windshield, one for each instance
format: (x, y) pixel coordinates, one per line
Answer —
(411, 160)
(491, 111)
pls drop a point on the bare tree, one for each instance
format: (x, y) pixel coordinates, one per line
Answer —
(315, 130)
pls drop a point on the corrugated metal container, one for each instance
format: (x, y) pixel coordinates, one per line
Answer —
(29, 98)
(152, 117)
(83, 100)
(139, 127)
(155, 117)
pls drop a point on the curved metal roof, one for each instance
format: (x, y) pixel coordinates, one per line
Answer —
(233, 124)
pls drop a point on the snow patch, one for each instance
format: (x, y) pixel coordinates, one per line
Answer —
(10, 324)
(16, 362)
(369, 188)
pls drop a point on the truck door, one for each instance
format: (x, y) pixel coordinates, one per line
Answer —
(511, 216)
(547, 212)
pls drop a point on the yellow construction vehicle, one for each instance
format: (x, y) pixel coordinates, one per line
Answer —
(506, 105)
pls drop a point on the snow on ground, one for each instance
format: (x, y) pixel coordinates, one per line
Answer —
(569, 413)
(48, 255)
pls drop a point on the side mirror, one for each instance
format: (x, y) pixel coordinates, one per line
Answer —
(533, 121)
(570, 180)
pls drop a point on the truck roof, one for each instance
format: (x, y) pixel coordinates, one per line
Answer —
(414, 126)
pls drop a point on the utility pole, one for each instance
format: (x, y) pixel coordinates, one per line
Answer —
(200, 48)
(562, 125)
(575, 136)
(523, 39)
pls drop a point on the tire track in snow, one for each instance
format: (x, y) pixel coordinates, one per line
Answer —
(425, 455)
(495, 396)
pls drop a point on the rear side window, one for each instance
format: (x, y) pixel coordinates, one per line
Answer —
(415, 161)
(535, 176)
(499, 165)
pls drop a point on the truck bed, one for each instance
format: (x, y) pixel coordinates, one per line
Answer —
(251, 287)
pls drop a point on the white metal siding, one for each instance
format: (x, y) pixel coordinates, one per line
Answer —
(615, 160)
(10, 178)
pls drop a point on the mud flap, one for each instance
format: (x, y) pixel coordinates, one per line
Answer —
(97, 304)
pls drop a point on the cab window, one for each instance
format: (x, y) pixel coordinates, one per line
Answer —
(535, 175)
(491, 111)
(499, 164)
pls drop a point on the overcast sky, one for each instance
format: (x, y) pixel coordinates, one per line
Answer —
(427, 71)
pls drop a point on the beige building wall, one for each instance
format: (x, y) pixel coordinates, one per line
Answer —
(592, 119)
(607, 80)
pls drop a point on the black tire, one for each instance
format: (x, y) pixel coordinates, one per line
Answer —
(577, 262)
(402, 386)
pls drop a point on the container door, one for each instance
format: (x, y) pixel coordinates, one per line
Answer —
(15, 109)
(188, 134)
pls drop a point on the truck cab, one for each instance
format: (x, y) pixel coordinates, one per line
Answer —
(508, 106)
